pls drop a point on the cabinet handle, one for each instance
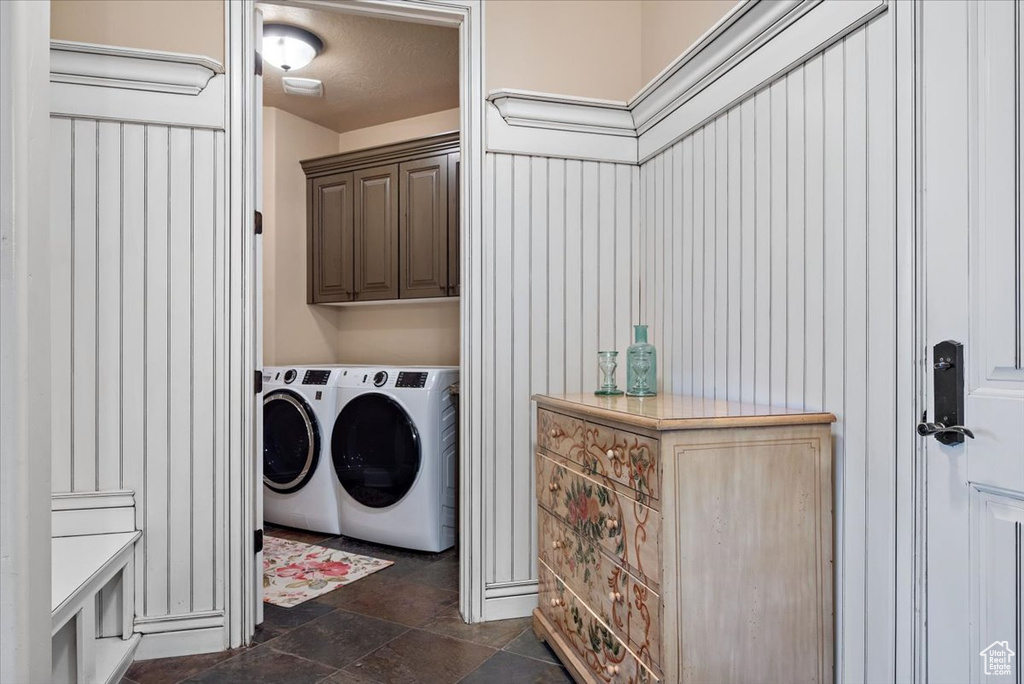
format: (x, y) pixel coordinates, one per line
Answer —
(612, 670)
(557, 602)
(612, 523)
(553, 433)
(556, 544)
(614, 454)
(615, 597)
(554, 487)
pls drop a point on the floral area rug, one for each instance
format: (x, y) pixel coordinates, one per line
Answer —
(294, 572)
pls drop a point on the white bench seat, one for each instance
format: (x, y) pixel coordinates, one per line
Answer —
(92, 606)
(82, 565)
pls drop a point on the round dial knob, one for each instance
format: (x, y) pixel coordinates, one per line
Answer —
(289, 376)
(380, 378)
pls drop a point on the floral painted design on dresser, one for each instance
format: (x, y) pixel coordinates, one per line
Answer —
(561, 435)
(602, 652)
(625, 604)
(592, 509)
(624, 457)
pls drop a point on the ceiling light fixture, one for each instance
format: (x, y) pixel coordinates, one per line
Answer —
(289, 47)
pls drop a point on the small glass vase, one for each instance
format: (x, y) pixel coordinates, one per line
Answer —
(641, 365)
(607, 362)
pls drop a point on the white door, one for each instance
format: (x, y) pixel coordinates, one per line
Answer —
(972, 293)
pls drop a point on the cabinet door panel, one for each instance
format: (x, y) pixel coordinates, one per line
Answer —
(376, 233)
(329, 248)
(423, 228)
(454, 198)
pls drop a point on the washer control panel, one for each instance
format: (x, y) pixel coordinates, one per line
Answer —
(316, 377)
(414, 380)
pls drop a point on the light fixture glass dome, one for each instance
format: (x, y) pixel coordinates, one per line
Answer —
(289, 47)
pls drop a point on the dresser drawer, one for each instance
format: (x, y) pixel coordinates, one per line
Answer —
(626, 605)
(560, 434)
(604, 654)
(628, 530)
(625, 457)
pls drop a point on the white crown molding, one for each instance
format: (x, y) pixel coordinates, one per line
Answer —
(735, 37)
(733, 57)
(583, 115)
(129, 68)
(563, 141)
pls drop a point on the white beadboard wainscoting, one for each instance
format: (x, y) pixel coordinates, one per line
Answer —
(764, 261)
(769, 240)
(138, 315)
(559, 285)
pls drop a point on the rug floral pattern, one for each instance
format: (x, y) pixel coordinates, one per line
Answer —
(294, 572)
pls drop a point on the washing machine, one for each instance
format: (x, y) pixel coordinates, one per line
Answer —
(394, 446)
(299, 408)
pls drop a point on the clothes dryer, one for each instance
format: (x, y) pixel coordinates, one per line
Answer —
(394, 446)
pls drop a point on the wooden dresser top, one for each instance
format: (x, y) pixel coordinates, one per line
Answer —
(678, 412)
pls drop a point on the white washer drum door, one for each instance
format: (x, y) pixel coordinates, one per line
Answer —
(376, 450)
(291, 441)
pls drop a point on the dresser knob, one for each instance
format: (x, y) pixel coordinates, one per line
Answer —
(614, 454)
(553, 487)
(615, 597)
(612, 524)
(553, 433)
(557, 602)
(612, 670)
(556, 544)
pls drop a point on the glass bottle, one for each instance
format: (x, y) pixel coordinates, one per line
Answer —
(607, 361)
(641, 365)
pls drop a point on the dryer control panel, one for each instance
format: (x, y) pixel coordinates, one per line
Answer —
(415, 380)
(391, 378)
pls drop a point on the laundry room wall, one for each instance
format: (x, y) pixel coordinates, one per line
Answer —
(397, 131)
(294, 332)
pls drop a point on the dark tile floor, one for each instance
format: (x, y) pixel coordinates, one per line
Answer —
(399, 625)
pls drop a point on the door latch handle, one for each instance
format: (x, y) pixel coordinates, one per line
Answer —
(936, 429)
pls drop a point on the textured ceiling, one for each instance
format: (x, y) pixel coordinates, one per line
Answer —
(374, 70)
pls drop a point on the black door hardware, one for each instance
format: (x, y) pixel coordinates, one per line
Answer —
(948, 387)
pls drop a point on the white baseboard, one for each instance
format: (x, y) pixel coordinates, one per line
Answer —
(180, 623)
(501, 604)
(187, 642)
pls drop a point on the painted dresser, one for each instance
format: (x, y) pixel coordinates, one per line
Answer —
(684, 540)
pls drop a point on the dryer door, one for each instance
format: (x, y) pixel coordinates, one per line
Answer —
(291, 441)
(376, 450)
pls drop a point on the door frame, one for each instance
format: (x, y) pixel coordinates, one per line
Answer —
(24, 341)
(242, 142)
(910, 352)
(911, 347)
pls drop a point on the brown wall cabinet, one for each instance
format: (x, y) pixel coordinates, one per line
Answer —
(383, 223)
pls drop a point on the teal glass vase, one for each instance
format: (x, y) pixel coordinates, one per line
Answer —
(641, 365)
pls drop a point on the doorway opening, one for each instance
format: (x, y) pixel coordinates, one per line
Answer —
(361, 297)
